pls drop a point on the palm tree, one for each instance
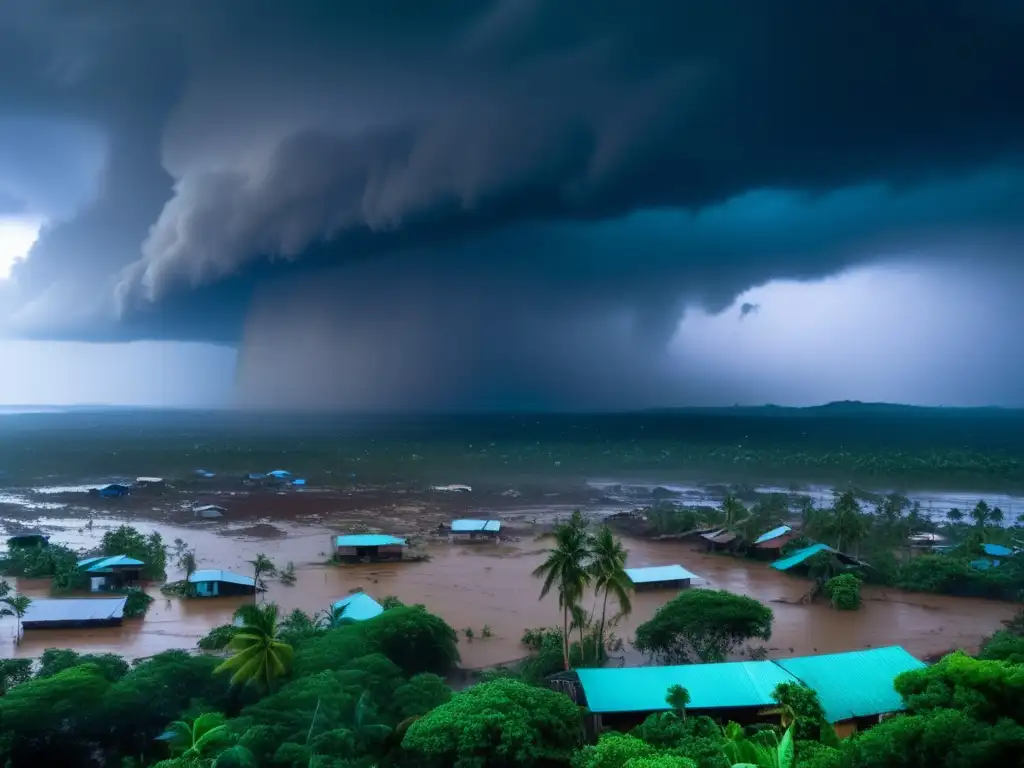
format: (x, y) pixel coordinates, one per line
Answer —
(608, 570)
(996, 516)
(187, 563)
(955, 515)
(261, 565)
(191, 739)
(679, 699)
(15, 605)
(981, 514)
(333, 617)
(566, 569)
(260, 657)
(733, 509)
(847, 523)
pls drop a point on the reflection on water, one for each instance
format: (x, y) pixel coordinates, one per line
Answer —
(477, 585)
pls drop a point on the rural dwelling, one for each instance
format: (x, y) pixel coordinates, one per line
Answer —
(113, 490)
(475, 530)
(775, 539)
(299, 482)
(115, 572)
(660, 577)
(368, 546)
(69, 613)
(855, 688)
(149, 482)
(209, 511)
(801, 556)
(358, 607)
(28, 539)
(220, 583)
(721, 538)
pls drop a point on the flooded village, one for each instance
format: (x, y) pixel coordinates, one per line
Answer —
(466, 553)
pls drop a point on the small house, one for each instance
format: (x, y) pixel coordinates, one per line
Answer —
(368, 546)
(775, 539)
(114, 490)
(721, 538)
(358, 607)
(69, 613)
(117, 572)
(149, 482)
(278, 474)
(28, 540)
(661, 577)
(209, 511)
(221, 583)
(475, 530)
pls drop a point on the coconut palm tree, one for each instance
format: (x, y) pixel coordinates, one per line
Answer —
(566, 570)
(260, 657)
(15, 605)
(955, 515)
(192, 739)
(608, 570)
(261, 565)
(679, 699)
(332, 617)
(981, 514)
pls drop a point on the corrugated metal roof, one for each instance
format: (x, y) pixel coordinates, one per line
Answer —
(98, 564)
(996, 550)
(658, 573)
(279, 473)
(854, 684)
(471, 526)
(75, 609)
(211, 574)
(774, 533)
(367, 540)
(719, 537)
(711, 686)
(800, 555)
(359, 607)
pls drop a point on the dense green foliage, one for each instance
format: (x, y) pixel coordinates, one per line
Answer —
(703, 625)
(150, 549)
(52, 561)
(843, 591)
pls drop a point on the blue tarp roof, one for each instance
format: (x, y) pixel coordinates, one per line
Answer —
(996, 550)
(774, 533)
(367, 540)
(102, 564)
(75, 609)
(800, 555)
(659, 573)
(279, 473)
(359, 607)
(298, 481)
(472, 526)
(211, 574)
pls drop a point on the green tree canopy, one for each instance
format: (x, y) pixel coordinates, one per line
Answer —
(705, 625)
(502, 723)
(984, 690)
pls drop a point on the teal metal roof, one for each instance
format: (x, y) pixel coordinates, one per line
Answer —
(210, 574)
(774, 533)
(367, 540)
(659, 573)
(359, 607)
(996, 550)
(102, 564)
(799, 556)
(474, 526)
(711, 686)
(854, 684)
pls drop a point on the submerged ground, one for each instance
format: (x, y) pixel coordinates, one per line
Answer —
(379, 473)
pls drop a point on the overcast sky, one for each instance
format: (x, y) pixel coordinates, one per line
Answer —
(511, 203)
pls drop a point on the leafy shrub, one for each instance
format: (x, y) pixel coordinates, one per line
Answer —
(217, 639)
(137, 604)
(844, 591)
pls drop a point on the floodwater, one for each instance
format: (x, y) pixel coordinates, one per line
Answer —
(491, 584)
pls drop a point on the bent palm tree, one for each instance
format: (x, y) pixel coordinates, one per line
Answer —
(333, 617)
(203, 733)
(260, 658)
(566, 569)
(261, 565)
(608, 569)
(16, 605)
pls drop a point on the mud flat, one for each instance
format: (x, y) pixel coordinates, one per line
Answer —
(488, 584)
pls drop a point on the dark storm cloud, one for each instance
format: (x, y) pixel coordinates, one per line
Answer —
(608, 160)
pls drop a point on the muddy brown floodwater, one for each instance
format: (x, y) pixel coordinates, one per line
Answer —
(478, 585)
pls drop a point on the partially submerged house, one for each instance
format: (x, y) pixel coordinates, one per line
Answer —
(28, 540)
(113, 490)
(358, 606)
(775, 539)
(801, 556)
(69, 613)
(149, 482)
(475, 530)
(721, 538)
(368, 546)
(661, 577)
(220, 583)
(117, 572)
(209, 511)
(855, 688)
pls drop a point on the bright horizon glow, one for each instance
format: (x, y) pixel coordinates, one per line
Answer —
(17, 236)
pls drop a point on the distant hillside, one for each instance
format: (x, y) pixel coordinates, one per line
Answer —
(851, 408)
